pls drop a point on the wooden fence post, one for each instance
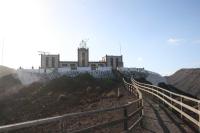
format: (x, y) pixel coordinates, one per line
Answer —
(61, 126)
(131, 89)
(126, 119)
(157, 94)
(181, 107)
(163, 96)
(170, 101)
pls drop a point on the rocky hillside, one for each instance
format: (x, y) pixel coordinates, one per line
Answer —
(9, 81)
(59, 96)
(155, 78)
(187, 80)
(5, 71)
(9, 84)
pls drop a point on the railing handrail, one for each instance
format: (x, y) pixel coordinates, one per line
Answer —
(139, 93)
(38, 122)
(147, 88)
(183, 96)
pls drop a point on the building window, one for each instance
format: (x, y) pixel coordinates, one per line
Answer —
(101, 65)
(47, 61)
(73, 67)
(64, 65)
(111, 61)
(93, 66)
(53, 62)
(117, 62)
(83, 59)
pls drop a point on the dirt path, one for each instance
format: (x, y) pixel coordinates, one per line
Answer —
(159, 119)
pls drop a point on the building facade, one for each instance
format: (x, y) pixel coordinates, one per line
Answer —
(83, 57)
(53, 61)
(50, 61)
(113, 61)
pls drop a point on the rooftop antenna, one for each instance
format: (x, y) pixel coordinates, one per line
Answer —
(43, 53)
(2, 52)
(83, 43)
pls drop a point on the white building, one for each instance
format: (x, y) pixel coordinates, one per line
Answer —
(53, 61)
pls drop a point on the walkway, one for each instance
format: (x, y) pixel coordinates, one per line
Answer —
(159, 119)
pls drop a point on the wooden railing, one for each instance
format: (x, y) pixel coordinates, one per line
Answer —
(135, 91)
(126, 116)
(187, 107)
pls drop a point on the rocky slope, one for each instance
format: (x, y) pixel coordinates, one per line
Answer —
(187, 80)
(9, 84)
(155, 78)
(59, 96)
(6, 71)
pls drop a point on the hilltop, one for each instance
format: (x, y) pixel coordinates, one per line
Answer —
(6, 71)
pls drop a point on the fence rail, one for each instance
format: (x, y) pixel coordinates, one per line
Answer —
(127, 116)
(186, 107)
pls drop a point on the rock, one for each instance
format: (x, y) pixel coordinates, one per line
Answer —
(61, 97)
(88, 88)
(111, 94)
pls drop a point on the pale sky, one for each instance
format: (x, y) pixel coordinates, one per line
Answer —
(159, 35)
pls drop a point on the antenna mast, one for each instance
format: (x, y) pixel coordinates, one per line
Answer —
(83, 43)
(43, 53)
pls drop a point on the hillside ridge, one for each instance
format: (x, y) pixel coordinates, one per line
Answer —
(187, 80)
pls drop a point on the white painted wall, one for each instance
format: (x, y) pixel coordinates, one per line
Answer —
(131, 69)
(28, 76)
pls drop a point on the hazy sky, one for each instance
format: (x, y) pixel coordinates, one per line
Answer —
(159, 35)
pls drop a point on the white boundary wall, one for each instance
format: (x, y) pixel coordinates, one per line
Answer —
(126, 69)
(65, 69)
(28, 76)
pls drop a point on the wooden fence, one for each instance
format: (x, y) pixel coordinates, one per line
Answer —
(188, 108)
